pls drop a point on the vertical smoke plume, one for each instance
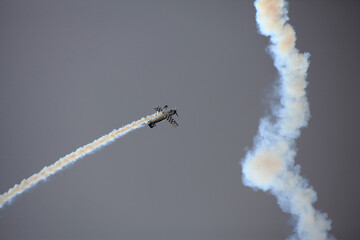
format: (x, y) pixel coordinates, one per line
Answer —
(270, 166)
(71, 158)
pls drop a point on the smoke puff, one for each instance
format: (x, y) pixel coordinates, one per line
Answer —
(263, 169)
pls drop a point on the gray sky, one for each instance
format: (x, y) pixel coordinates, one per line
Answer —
(71, 71)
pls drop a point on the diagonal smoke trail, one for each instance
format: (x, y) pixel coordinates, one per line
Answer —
(71, 158)
(270, 166)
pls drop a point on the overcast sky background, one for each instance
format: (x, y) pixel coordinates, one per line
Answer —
(71, 71)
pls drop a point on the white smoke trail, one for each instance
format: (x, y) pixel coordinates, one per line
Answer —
(71, 158)
(269, 166)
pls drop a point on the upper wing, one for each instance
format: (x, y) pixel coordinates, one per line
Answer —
(158, 109)
(172, 121)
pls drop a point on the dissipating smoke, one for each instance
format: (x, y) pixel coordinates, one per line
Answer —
(270, 165)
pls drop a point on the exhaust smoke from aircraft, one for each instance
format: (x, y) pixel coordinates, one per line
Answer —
(71, 158)
(269, 165)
